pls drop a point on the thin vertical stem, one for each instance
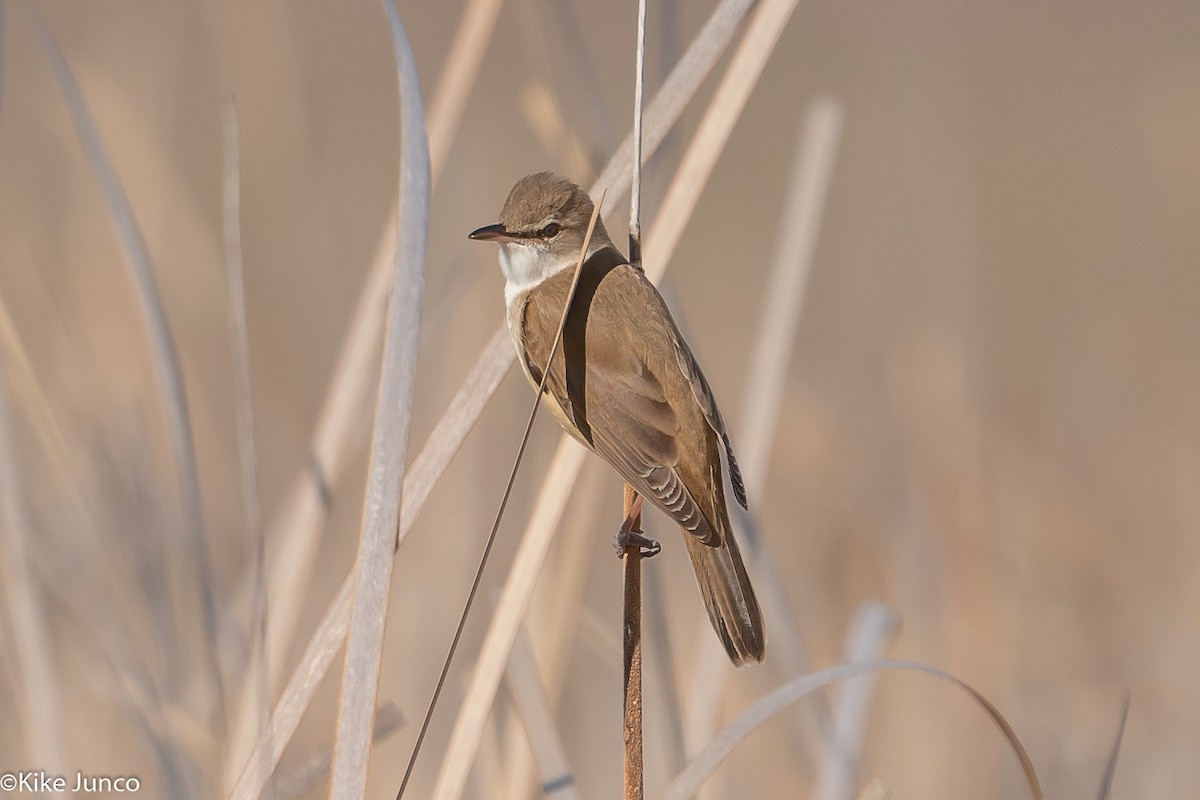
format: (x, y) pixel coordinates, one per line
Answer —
(635, 196)
(632, 646)
(632, 571)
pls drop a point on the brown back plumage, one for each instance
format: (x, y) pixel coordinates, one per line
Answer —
(625, 384)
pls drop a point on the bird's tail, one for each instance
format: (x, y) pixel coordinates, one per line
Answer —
(729, 597)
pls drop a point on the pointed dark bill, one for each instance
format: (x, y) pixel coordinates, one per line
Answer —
(490, 233)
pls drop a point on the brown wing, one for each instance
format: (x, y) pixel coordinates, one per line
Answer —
(620, 379)
(708, 405)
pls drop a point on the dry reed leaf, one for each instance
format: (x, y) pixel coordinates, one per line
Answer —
(784, 298)
(389, 447)
(873, 626)
(169, 376)
(530, 697)
(688, 782)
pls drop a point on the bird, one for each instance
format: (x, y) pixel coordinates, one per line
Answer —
(625, 384)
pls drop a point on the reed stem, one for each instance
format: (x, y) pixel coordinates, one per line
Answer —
(632, 647)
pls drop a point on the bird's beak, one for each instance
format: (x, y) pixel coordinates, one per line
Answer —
(490, 233)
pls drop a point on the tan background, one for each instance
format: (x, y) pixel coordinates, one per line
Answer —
(991, 415)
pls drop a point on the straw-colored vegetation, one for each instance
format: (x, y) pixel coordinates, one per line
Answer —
(938, 263)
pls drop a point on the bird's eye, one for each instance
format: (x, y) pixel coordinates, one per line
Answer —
(550, 230)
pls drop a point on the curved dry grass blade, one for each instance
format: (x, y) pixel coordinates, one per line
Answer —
(688, 782)
(800, 221)
(381, 507)
(253, 710)
(529, 696)
(1110, 766)
(874, 625)
(295, 529)
(38, 696)
(166, 359)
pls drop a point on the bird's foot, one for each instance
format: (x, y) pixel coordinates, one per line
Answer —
(626, 540)
(629, 536)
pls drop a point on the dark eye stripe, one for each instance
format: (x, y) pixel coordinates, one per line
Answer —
(549, 232)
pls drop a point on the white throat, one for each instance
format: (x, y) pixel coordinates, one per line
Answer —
(526, 265)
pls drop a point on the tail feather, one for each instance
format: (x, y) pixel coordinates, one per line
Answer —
(729, 597)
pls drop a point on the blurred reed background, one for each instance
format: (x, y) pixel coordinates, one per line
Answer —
(989, 419)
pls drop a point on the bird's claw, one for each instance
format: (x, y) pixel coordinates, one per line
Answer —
(626, 540)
